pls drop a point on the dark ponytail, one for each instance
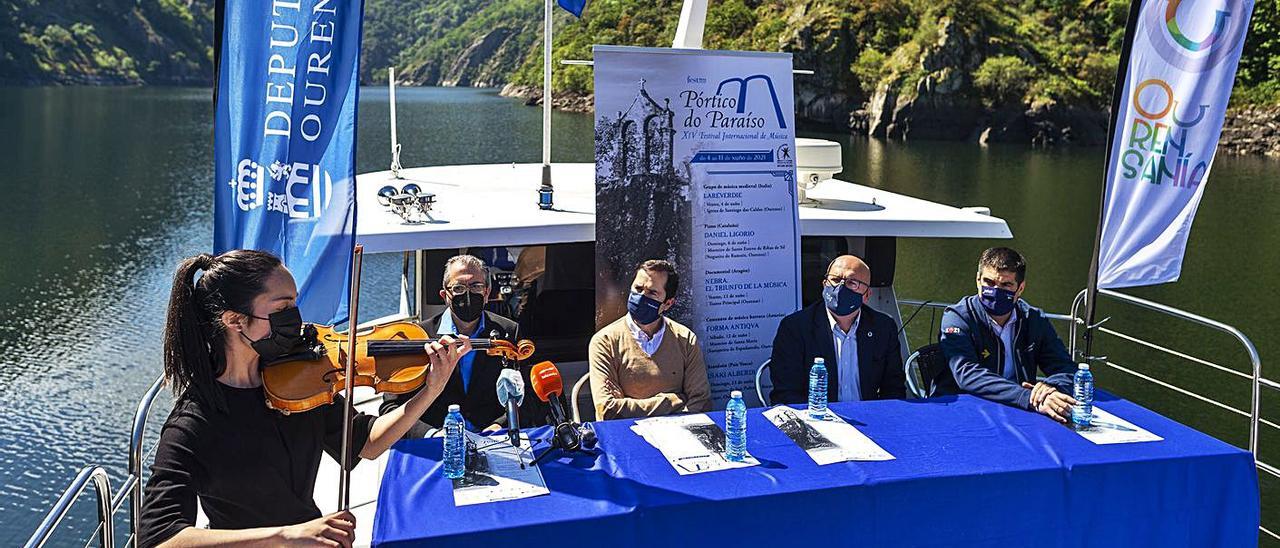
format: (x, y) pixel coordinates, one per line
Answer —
(193, 333)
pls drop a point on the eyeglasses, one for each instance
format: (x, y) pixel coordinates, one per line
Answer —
(474, 287)
(852, 283)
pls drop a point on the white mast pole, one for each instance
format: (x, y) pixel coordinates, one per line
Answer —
(545, 191)
(693, 18)
(546, 84)
(395, 142)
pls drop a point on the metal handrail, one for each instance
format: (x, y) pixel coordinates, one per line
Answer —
(944, 306)
(1254, 359)
(133, 484)
(1258, 382)
(101, 484)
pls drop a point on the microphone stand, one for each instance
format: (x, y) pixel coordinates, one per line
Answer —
(579, 442)
(513, 412)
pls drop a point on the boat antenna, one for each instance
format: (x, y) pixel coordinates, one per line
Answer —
(395, 142)
(545, 198)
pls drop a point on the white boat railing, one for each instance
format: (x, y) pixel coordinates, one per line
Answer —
(101, 484)
(109, 504)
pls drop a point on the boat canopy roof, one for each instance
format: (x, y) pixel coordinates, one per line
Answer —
(496, 205)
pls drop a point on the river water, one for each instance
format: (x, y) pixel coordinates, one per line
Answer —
(106, 189)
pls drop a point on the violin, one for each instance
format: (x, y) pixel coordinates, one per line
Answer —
(391, 358)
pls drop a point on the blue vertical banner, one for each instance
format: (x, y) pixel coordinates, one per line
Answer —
(284, 141)
(1170, 114)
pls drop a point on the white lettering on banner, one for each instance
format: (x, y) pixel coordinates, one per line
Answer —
(307, 96)
(306, 185)
(318, 64)
(288, 43)
(280, 93)
(312, 122)
(283, 39)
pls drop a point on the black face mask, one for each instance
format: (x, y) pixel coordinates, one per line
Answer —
(467, 307)
(285, 337)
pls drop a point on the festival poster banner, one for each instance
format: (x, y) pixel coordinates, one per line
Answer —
(284, 141)
(695, 163)
(1173, 104)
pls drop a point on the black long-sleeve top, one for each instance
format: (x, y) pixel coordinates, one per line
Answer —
(250, 466)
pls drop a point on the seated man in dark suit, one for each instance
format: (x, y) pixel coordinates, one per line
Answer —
(858, 344)
(474, 380)
(994, 341)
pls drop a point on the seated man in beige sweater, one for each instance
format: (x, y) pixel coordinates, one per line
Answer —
(645, 365)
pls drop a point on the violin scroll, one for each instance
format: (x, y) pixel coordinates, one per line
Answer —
(507, 350)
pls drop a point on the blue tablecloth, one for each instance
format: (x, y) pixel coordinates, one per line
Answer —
(968, 473)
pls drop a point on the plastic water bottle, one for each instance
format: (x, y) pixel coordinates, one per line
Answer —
(1082, 413)
(735, 428)
(455, 444)
(818, 389)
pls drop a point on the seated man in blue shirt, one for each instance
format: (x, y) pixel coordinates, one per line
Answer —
(858, 344)
(994, 341)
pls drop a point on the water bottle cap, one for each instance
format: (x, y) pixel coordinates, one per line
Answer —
(736, 394)
(1084, 367)
(820, 360)
(455, 408)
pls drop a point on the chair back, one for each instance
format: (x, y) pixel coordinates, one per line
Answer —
(759, 389)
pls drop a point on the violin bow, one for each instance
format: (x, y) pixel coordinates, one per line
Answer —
(344, 473)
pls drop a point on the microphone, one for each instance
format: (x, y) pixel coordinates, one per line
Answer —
(511, 394)
(548, 385)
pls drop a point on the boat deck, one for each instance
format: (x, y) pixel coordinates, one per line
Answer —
(496, 205)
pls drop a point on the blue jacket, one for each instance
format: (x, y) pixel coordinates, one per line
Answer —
(806, 334)
(976, 355)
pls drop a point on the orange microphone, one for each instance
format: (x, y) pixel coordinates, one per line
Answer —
(567, 436)
(548, 385)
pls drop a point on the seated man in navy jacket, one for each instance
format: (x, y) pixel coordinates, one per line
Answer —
(466, 290)
(858, 344)
(994, 341)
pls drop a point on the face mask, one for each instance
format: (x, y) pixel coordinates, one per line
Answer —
(998, 301)
(466, 307)
(643, 310)
(285, 337)
(841, 300)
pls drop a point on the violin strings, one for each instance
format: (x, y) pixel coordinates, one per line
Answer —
(416, 345)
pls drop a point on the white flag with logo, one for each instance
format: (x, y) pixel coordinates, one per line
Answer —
(1173, 103)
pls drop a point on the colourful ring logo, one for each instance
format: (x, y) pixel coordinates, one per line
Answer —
(1171, 22)
(1169, 39)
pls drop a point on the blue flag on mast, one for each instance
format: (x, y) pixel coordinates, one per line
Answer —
(573, 6)
(284, 141)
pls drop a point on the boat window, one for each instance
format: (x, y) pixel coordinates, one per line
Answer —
(550, 291)
(816, 252)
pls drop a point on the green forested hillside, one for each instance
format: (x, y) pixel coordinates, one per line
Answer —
(106, 41)
(1038, 70)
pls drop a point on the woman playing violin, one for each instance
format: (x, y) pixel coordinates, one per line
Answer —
(253, 469)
